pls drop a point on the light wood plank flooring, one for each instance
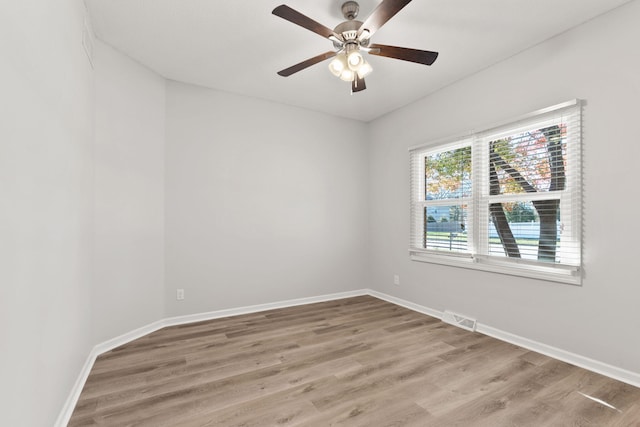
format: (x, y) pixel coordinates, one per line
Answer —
(353, 362)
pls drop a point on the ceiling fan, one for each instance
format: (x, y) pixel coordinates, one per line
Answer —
(350, 39)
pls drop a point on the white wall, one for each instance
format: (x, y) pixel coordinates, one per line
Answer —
(264, 202)
(128, 290)
(598, 62)
(208, 176)
(46, 125)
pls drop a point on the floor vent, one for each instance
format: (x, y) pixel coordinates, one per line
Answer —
(459, 320)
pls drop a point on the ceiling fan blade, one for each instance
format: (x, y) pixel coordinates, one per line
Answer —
(358, 85)
(381, 14)
(306, 64)
(425, 57)
(291, 15)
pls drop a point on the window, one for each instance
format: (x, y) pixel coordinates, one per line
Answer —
(507, 199)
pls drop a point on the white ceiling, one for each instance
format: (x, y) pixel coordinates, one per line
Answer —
(238, 46)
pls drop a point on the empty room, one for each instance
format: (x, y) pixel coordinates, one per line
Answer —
(371, 213)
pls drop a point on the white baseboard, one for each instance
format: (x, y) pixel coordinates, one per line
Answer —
(611, 371)
(179, 320)
(614, 372)
(605, 369)
(199, 317)
(72, 400)
(406, 304)
(108, 345)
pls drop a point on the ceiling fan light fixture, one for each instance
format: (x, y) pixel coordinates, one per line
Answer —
(338, 65)
(347, 65)
(355, 60)
(364, 70)
(347, 75)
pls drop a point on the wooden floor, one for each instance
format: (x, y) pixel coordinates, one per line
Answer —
(352, 362)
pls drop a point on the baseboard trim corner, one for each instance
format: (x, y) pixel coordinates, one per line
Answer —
(103, 347)
(199, 317)
(69, 405)
(406, 304)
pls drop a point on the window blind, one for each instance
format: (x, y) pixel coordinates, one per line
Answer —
(508, 196)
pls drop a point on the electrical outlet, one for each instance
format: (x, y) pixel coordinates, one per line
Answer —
(179, 294)
(396, 280)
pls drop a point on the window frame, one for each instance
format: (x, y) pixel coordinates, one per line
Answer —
(478, 257)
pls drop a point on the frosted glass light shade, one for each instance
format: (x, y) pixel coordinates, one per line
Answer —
(355, 60)
(364, 70)
(347, 75)
(338, 64)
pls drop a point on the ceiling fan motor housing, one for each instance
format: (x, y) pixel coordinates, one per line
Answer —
(349, 31)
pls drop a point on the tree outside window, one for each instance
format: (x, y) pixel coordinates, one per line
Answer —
(512, 192)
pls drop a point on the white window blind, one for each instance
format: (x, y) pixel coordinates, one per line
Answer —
(506, 199)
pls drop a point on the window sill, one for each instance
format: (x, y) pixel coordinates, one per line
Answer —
(555, 273)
